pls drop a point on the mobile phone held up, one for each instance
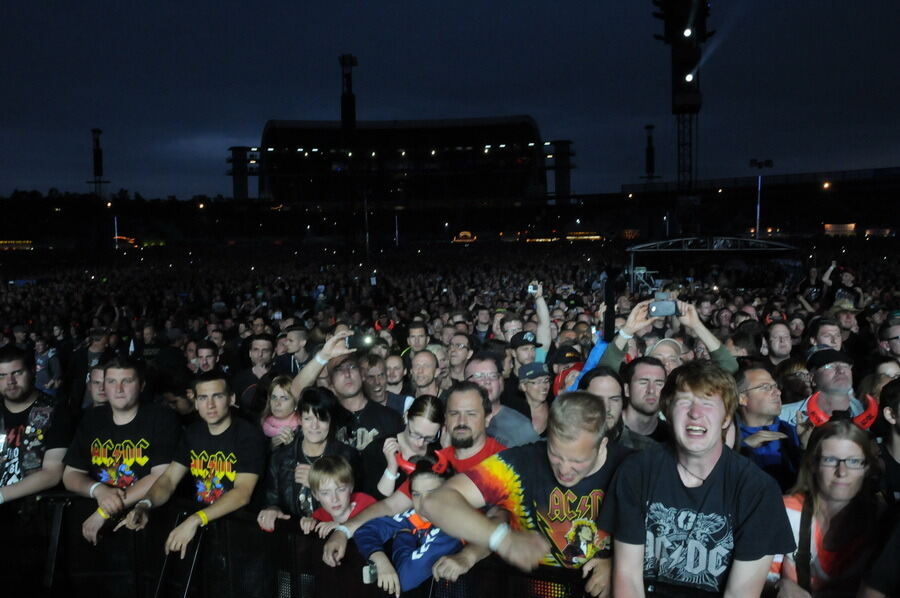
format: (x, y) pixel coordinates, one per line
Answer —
(360, 342)
(532, 289)
(663, 305)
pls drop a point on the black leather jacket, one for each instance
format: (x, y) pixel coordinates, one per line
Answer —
(282, 491)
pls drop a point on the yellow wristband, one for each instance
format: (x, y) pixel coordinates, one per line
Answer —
(102, 513)
(204, 520)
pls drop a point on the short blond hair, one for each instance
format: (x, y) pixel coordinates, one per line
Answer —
(330, 467)
(573, 412)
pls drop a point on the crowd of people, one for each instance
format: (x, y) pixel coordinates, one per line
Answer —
(706, 439)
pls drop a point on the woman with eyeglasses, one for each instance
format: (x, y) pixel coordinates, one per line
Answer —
(422, 434)
(834, 510)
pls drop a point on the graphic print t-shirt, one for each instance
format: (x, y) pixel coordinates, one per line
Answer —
(53, 431)
(521, 480)
(692, 535)
(215, 461)
(119, 456)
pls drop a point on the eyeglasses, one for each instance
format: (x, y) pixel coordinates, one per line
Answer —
(767, 387)
(347, 368)
(420, 437)
(834, 462)
(484, 376)
(893, 338)
(838, 367)
(459, 346)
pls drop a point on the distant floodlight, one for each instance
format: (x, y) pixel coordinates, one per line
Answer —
(689, 77)
(688, 32)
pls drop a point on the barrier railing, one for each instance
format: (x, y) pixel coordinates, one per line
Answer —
(231, 558)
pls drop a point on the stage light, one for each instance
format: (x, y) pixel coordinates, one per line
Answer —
(689, 77)
(688, 32)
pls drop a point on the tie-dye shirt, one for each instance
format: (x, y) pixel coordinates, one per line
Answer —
(521, 481)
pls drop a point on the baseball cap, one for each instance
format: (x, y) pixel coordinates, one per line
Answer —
(826, 356)
(533, 370)
(520, 339)
(565, 355)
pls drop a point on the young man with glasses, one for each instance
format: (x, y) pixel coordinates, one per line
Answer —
(459, 350)
(768, 441)
(508, 426)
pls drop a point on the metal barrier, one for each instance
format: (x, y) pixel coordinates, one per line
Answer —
(231, 558)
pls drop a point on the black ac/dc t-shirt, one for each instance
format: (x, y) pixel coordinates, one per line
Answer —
(372, 423)
(215, 461)
(119, 456)
(521, 481)
(54, 430)
(691, 536)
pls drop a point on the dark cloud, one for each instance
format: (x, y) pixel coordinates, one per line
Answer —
(810, 85)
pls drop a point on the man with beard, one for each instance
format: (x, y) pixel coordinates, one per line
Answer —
(36, 430)
(466, 419)
(395, 372)
(261, 351)
(644, 379)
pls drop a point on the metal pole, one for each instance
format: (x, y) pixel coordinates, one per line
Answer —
(116, 231)
(366, 216)
(758, 200)
(396, 230)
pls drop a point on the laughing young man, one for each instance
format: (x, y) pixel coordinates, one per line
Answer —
(693, 518)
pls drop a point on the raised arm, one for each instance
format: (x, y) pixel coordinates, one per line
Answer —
(333, 347)
(543, 314)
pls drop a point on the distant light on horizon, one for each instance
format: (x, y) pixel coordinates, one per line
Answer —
(689, 77)
(688, 32)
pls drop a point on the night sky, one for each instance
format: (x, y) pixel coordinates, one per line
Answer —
(812, 85)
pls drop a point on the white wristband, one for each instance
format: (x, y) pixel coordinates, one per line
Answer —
(2, 498)
(344, 529)
(144, 501)
(391, 476)
(625, 335)
(94, 487)
(497, 536)
(319, 360)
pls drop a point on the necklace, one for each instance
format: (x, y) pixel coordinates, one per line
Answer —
(701, 478)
